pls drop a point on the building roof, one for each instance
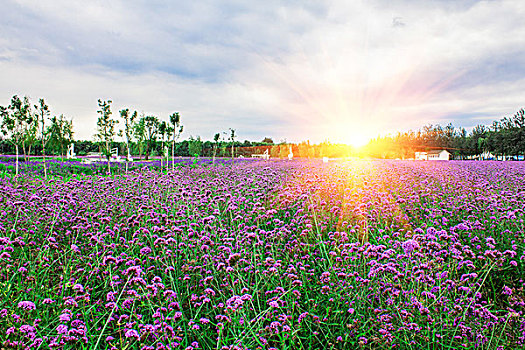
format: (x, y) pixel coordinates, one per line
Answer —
(437, 151)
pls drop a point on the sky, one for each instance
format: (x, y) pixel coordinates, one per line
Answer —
(294, 70)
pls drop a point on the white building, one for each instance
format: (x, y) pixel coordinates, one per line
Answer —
(438, 154)
(421, 156)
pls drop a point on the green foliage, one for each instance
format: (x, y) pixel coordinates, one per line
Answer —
(195, 146)
(176, 129)
(105, 126)
(60, 134)
(24, 130)
(129, 127)
(176, 126)
(15, 119)
(42, 112)
(140, 134)
(151, 129)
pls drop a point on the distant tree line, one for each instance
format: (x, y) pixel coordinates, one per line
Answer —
(504, 139)
(185, 148)
(29, 129)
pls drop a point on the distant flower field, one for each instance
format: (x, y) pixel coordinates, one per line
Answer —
(266, 255)
(68, 167)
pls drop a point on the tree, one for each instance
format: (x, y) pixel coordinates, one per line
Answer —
(216, 138)
(195, 146)
(129, 127)
(517, 133)
(169, 132)
(232, 139)
(42, 112)
(129, 123)
(151, 127)
(106, 128)
(477, 140)
(15, 118)
(177, 130)
(507, 136)
(60, 133)
(183, 148)
(139, 131)
(448, 135)
(163, 128)
(30, 133)
(267, 140)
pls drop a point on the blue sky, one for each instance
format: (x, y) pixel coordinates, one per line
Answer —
(295, 70)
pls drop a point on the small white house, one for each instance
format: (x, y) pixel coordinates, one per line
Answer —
(438, 154)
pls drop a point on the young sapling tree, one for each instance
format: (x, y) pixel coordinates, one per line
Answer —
(129, 128)
(139, 132)
(177, 130)
(42, 112)
(162, 133)
(232, 138)
(106, 128)
(151, 127)
(216, 138)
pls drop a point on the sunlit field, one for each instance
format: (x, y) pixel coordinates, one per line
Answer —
(65, 168)
(266, 255)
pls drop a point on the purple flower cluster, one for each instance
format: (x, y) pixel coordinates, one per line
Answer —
(27, 305)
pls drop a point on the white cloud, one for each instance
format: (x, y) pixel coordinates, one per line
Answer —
(205, 108)
(296, 69)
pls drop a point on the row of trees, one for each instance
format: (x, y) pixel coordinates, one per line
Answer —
(144, 130)
(30, 129)
(190, 147)
(504, 139)
(148, 133)
(24, 125)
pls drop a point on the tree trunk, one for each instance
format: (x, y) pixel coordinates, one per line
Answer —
(173, 154)
(161, 155)
(108, 155)
(44, 156)
(16, 167)
(24, 150)
(127, 155)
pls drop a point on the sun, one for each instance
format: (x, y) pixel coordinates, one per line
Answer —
(350, 132)
(357, 140)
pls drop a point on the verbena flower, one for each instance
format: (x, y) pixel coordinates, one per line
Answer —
(27, 305)
(62, 329)
(410, 245)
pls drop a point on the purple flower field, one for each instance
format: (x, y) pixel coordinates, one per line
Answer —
(58, 167)
(267, 255)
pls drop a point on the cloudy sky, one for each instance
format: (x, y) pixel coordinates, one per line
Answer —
(342, 70)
